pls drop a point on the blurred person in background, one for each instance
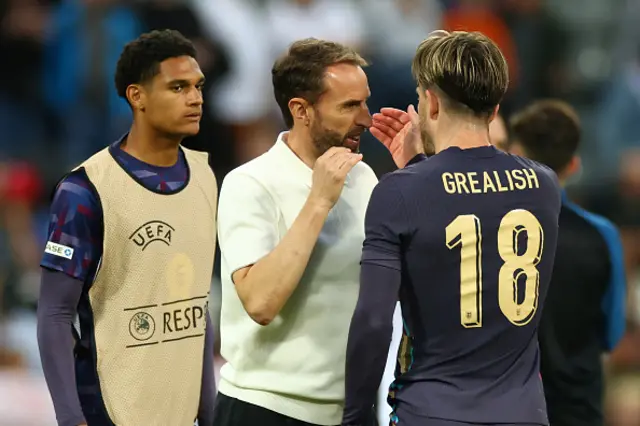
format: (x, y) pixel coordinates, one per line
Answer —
(20, 190)
(125, 256)
(83, 41)
(243, 99)
(498, 133)
(23, 25)
(584, 313)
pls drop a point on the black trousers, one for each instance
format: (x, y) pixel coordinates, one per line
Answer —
(233, 412)
(410, 419)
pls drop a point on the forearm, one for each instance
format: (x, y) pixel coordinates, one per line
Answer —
(270, 282)
(59, 296)
(369, 338)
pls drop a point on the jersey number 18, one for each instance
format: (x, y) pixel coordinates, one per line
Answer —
(466, 231)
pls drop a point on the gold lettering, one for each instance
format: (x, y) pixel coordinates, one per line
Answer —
(461, 182)
(508, 173)
(473, 182)
(521, 182)
(488, 183)
(532, 177)
(447, 181)
(500, 187)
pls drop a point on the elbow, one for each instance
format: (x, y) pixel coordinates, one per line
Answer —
(260, 312)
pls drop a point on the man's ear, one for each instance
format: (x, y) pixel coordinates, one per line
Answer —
(137, 97)
(299, 109)
(433, 104)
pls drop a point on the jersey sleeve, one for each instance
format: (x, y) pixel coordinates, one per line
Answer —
(386, 223)
(247, 221)
(614, 301)
(74, 241)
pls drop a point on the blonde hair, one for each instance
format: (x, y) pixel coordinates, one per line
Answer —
(466, 67)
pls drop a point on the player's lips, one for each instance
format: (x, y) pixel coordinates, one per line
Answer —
(194, 116)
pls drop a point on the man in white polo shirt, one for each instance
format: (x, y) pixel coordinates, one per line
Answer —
(291, 227)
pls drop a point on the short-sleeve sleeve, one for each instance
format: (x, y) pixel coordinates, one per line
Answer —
(247, 221)
(74, 243)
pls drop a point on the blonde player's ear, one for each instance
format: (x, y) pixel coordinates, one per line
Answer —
(135, 97)
(433, 104)
(494, 114)
(299, 110)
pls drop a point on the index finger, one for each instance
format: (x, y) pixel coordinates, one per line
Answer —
(349, 162)
(334, 150)
(398, 114)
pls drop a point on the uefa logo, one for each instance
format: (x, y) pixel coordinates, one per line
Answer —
(142, 326)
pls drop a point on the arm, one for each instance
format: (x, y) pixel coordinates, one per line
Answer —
(267, 271)
(372, 323)
(76, 225)
(59, 295)
(615, 298)
(208, 388)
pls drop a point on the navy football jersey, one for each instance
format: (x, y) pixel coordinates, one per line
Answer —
(477, 230)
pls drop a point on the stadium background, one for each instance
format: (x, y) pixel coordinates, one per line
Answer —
(58, 105)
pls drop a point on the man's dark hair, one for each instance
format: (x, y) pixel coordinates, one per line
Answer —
(140, 59)
(300, 71)
(548, 131)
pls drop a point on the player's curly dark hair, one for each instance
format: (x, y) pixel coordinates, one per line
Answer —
(140, 59)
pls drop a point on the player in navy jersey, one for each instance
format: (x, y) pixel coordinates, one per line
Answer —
(584, 314)
(160, 78)
(465, 240)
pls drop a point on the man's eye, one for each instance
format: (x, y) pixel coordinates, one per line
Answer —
(177, 88)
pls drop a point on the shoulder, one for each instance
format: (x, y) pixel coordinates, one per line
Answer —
(607, 229)
(75, 190)
(256, 173)
(200, 162)
(541, 170)
(247, 183)
(363, 175)
(200, 157)
(402, 179)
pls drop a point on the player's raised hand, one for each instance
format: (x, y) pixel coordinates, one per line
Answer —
(399, 131)
(329, 174)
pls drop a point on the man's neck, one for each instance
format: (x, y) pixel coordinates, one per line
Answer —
(151, 148)
(300, 144)
(462, 134)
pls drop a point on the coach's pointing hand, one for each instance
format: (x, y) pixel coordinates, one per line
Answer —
(329, 174)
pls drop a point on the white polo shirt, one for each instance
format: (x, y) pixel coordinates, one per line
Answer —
(296, 365)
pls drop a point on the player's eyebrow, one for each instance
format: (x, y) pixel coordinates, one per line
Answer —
(184, 82)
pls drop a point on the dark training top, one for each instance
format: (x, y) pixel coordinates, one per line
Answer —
(466, 240)
(584, 316)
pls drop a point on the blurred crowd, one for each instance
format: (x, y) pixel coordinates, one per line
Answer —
(58, 106)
